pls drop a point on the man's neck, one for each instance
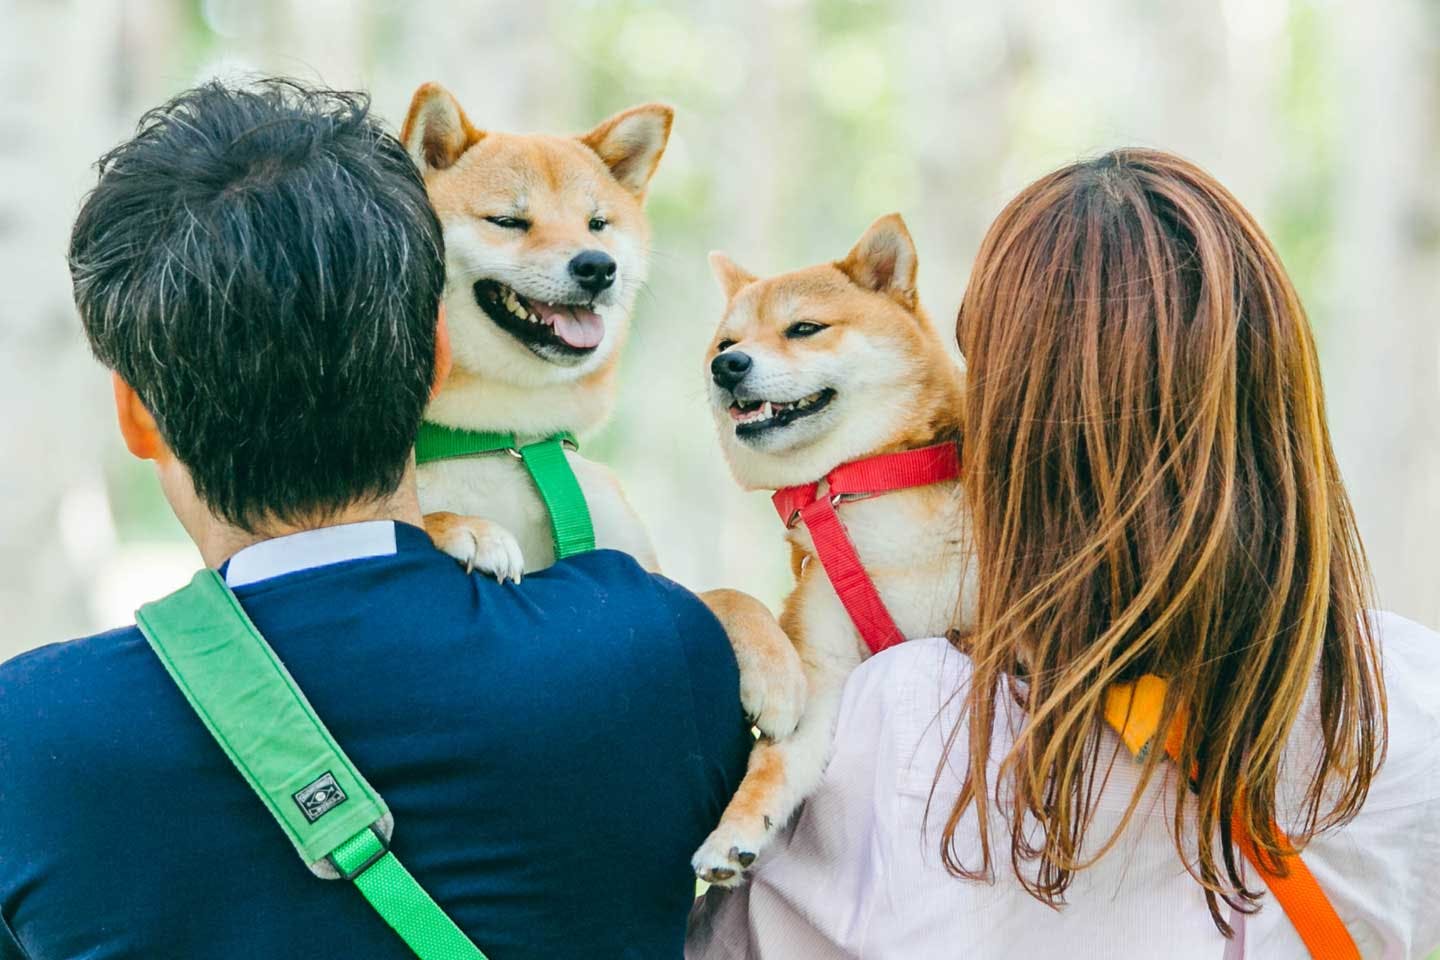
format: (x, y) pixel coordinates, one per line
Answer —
(218, 541)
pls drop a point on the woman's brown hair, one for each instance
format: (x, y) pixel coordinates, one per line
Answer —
(1154, 492)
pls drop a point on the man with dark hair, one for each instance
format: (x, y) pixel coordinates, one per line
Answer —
(261, 271)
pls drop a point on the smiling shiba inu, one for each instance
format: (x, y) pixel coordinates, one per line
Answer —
(546, 244)
(810, 370)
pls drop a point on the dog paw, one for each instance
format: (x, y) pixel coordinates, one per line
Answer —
(730, 850)
(479, 544)
(774, 699)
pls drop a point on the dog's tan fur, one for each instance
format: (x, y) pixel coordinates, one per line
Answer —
(896, 388)
(484, 511)
(557, 185)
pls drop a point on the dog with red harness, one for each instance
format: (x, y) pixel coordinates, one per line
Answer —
(831, 387)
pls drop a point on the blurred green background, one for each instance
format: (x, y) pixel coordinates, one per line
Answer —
(798, 123)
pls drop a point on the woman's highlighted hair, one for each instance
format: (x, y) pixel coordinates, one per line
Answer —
(1154, 492)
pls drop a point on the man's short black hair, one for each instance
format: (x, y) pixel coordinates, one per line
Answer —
(262, 265)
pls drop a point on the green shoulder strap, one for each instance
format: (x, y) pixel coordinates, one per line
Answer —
(547, 465)
(252, 707)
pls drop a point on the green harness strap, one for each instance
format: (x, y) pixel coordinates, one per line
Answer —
(252, 707)
(547, 465)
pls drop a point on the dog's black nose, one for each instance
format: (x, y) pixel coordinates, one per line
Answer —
(729, 368)
(593, 269)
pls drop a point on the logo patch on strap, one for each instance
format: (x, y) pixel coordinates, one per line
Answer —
(319, 797)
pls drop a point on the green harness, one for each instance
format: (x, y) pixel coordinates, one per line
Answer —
(252, 707)
(546, 463)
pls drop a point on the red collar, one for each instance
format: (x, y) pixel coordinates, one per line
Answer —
(859, 480)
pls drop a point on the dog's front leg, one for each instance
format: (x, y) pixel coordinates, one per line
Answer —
(478, 543)
(781, 774)
(772, 678)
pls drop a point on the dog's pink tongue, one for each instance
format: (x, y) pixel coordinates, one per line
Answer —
(580, 328)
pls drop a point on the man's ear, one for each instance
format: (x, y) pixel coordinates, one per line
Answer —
(443, 356)
(137, 426)
(731, 276)
(632, 142)
(436, 130)
(884, 261)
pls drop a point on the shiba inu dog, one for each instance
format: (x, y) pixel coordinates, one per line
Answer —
(546, 243)
(810, 370)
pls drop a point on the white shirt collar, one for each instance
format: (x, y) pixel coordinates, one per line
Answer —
(310, 548)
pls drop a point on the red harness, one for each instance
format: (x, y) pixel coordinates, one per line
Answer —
(858, 481)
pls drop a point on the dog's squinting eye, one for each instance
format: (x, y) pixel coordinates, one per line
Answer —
(510, 223)
(598, 223)
(724, 345)
(804, 328)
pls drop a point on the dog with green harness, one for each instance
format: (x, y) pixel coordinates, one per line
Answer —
(546, 241)
(546, 244)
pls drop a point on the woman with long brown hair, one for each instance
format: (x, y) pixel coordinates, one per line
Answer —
(1174, 682)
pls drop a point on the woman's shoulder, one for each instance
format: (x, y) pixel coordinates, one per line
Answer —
(898, 709)
(907, 691)
(1410, 663)
(1412, 643)
(1379, 868)
(910, 677)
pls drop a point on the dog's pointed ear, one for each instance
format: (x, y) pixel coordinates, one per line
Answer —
(884, 261)
(632, 142)
(731, 276)
(436, 130)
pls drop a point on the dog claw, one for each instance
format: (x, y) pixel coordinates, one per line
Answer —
(728, 853)
(480, 545)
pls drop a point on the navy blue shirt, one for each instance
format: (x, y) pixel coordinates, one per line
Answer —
(553, 752)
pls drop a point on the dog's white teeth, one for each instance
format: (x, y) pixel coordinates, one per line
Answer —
(767, 411)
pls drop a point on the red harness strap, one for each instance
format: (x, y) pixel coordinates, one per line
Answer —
(856, 481)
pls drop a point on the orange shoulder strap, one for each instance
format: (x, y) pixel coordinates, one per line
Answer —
(1133, 710)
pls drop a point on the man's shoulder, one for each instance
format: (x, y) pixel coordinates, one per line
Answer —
(644, 607)
(60, 703)
(91, 666)
(637, 632)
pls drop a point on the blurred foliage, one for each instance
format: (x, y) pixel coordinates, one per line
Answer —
(1301, 219)
(798, 122)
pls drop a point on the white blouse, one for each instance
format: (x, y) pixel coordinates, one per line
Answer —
(858, 873)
